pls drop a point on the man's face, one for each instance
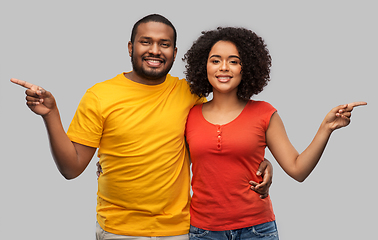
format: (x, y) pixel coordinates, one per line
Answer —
(152, 54)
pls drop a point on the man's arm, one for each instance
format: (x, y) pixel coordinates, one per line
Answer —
(266, 171)
(70, 158)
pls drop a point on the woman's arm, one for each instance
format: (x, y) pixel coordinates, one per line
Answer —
(296, 165)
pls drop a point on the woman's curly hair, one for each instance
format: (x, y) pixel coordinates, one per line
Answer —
(255, 61)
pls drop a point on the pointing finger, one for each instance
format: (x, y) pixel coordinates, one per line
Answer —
(352, 105)
(356, 104)
(25, 84)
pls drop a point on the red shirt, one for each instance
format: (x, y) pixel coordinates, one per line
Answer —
(224, 159)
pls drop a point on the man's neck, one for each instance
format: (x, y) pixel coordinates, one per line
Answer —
(138, 79)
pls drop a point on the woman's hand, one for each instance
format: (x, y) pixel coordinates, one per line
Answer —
(340, 116)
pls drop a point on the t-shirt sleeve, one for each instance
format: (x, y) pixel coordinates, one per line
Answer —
(200, 100)
(87, 124)
(269, 110)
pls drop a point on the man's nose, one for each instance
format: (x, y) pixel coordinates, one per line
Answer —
(155, 49)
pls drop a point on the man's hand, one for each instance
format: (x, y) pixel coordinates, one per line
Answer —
(99, 169)
(38, 99)
(266, 171)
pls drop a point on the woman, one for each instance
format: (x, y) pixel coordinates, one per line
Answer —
(227, 136)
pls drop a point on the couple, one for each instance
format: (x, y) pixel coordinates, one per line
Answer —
(138, 119)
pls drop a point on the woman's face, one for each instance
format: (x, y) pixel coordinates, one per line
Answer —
(224, 67)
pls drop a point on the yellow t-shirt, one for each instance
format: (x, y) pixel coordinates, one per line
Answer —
(139, 129)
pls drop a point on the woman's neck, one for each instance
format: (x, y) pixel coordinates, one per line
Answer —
(226, 102)
(223, 108)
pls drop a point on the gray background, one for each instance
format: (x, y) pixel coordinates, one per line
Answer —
(324, 54)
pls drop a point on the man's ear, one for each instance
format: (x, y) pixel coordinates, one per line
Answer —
(130, 47)
(175, 53)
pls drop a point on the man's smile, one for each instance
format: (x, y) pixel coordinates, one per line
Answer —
(153, 62)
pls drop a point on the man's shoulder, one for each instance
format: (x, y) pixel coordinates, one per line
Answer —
(175, 79)
(178, 81)
(183, 89)
(113, 82)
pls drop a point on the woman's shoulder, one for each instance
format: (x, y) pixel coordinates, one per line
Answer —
(260, 104)
(196, 108)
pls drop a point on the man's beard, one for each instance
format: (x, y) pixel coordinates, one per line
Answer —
(151, 74)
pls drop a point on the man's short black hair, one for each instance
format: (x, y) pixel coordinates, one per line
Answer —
(153, 18)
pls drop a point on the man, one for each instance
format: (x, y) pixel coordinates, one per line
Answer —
(137, 121)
